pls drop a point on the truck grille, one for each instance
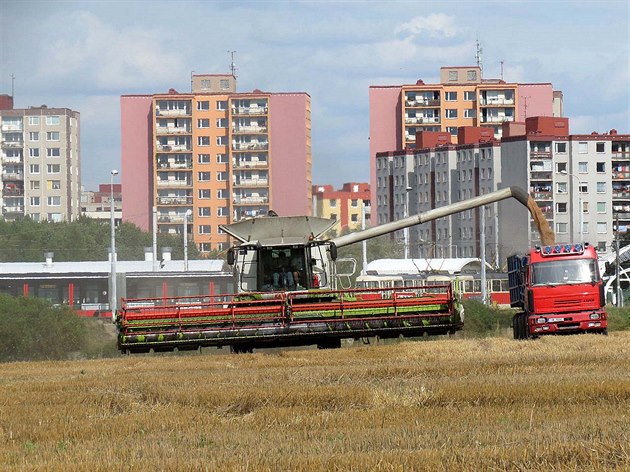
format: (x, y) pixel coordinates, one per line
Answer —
(566, 303)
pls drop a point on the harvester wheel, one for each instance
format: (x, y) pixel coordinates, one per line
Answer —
(329, 344)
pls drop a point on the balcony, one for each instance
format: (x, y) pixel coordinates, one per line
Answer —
(249, 129)
(541, 175)
(174, 183)
(622, 216)
(13, 144)
(496, 101)
(170, 219)
(12, 160)
(175, 200)
(541, 195)
(621, 154)
(12, 176)
(422, 103)
(249, 110)
(621, 194)
(12, 192)
(495, 119)
(13, 209)
(250, 146)
(621, 175)
(423, 120)
(251, 183)
(173, 147)
(174, 165)
(173, 130)
(177, 112)
(7, 127)
(540, 155)
(249, 200)
(250, 164)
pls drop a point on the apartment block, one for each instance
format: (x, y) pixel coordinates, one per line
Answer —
(40, 155)
(214, 156)
(581, 183)
(98, 204)
(348, 205)
(461, 98)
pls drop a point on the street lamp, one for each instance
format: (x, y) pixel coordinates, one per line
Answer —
(186, 215)
(580, 209)
(113, 302)
(406, 230)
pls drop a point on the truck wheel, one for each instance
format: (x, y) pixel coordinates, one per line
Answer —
(517, 326)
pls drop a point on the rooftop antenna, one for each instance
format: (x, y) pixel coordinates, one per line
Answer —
(478, 56)
(12, 85)
(501, 70)
(232, 65)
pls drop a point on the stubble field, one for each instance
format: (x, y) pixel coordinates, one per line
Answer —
(558, 403)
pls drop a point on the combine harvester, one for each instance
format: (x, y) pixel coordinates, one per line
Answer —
(287, 294)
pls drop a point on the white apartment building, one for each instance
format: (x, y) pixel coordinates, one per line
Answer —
(40, 154)
(581, 183)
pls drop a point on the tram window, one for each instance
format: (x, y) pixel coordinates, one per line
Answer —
(468, 286)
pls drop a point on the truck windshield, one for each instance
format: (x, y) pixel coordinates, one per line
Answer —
(564, 272)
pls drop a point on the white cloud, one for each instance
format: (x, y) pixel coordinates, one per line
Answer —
(108, 58)
(435, 25)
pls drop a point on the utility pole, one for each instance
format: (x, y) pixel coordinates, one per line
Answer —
(484, 291)
(618, 292)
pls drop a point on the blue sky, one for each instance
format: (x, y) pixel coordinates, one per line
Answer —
(85, 54)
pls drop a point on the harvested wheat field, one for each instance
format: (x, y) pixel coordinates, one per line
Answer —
(557, 403)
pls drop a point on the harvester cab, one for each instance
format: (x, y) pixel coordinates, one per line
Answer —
(282, 254)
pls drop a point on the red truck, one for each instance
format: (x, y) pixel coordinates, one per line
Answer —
(558, 289)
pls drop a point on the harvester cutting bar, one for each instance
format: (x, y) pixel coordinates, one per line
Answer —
(304, 317)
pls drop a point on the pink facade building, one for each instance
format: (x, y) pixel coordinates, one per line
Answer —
(462, 98)
(214, 156)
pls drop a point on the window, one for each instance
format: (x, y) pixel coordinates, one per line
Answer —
(222, 158)
(33, 152)
(53, 184)
(601, 167)
(54, 217)
(33, 120)
(601, 187)
(450, 96)
(222, 176)
(600, 147)
(584, 207)
(52, 120)
(561, 207)
(34, 185)
(53, 152)
(203, 105)
(333, 203)
(53, 168)
(54, 201)
(561, 228)
(222, 141)
(205, 84)
(224, 84)
(222, 123)
(452, 130)
(601, 207)
(601, 246)
(34, 168)
(452, 76)
(469, 96)
(583, 147)
(561, 167)
(222, 194)
(52, 136)
(470, 113)
(222, 211)
(203, 176)
(204, 229)
(582, 167)
(584, 227)
(35, 201)
(561, 147)
(221, 105)
(354, 203)
(203, 158)
(204, 194)
(354, 218)
(561, 187)
(205, 247)
(471, 74)
(601, 227)
(33, 136)
(203, 123)
(451, 113)
(203, 140)
(583, 188)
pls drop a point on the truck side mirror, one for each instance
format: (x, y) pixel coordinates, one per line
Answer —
(230, 256)
(333, 251)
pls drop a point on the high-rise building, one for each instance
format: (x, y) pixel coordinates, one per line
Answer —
(214, 156)
(462, 98)
(349, 205)
(581, 183)
(40, 153)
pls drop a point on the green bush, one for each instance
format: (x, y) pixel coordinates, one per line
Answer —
(618, 318)
(32, 329)
(481, 320)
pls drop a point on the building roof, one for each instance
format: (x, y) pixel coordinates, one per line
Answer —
(103, 268)
(416, 266)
